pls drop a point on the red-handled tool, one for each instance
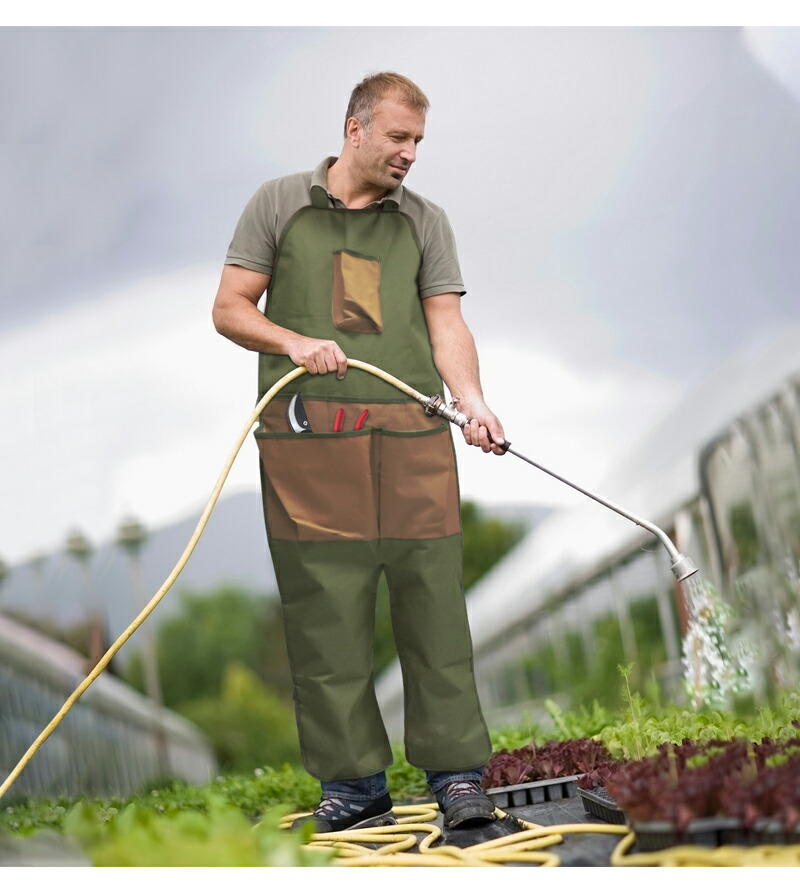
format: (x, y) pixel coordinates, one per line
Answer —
(338, 421)
(361, 419)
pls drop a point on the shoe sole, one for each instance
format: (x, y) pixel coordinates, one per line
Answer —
(380, 820)
(474, 815)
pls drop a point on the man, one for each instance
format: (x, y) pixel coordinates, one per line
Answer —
(356, 266)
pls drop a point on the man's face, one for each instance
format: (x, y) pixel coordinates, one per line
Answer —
(386, 152)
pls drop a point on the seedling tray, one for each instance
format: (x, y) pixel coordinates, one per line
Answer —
(599, 804)
(712, 832)
(534, 792)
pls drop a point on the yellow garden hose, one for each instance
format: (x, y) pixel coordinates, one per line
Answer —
(389, 846)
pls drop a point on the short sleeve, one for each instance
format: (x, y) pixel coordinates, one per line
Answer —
(254, 240)
(440, 272)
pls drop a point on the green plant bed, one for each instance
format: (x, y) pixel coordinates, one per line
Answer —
(171, 825)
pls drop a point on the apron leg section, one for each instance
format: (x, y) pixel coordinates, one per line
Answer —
(328, 591)
(444, 724)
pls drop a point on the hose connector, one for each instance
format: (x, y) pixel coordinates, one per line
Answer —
(435, 405)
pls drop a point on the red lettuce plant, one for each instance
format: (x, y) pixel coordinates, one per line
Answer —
(553, 759)
(599, 776)
(730, 779)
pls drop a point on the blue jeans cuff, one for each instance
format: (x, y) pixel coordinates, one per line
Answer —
(372, 787)
(437, 780)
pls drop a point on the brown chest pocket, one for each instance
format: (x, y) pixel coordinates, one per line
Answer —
(356, 293)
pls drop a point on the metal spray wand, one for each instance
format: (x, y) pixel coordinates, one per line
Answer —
(682, 567)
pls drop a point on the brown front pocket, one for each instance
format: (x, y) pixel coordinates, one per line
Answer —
(360, 485)
(319, 487)
(418, 485)
(356, 293)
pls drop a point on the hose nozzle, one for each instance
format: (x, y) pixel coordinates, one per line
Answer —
(682, 567)
(435, 405)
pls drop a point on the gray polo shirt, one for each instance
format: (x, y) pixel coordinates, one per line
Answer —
(255, 240)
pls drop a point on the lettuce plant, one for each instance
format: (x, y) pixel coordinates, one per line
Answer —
(745, 780)
(552, 759)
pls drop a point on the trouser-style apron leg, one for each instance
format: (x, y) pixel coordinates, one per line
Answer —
(328, 591)
(444, 725)
(341, 508)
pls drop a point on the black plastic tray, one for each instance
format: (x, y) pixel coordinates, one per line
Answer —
(712, 832)
(599, 804)
(534, 792)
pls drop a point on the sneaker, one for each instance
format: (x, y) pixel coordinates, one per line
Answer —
(333, 814)
(463, 803)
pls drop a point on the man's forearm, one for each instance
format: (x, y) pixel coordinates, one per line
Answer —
(237, 317)
(242, 322)
(456, 359)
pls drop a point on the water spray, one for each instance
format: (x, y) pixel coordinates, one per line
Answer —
(682, 567)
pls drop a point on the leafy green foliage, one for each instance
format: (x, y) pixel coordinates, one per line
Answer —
(248, 725)
(405, 780)
(519, 735)
(211, 631)
(641, 728)
(575, 724)
(221, 836)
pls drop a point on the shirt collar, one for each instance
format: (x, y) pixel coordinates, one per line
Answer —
(319, 178)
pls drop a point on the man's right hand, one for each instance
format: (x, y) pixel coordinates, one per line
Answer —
(318, 355)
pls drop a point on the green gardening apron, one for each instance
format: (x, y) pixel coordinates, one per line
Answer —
(344, 506)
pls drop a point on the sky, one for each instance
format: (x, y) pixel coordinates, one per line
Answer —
(625, 198)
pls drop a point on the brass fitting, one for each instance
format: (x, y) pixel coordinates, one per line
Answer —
(435, 405)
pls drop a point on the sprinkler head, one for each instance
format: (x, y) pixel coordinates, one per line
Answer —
(683, 567)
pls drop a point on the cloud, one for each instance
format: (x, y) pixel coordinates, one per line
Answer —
(573, 421)
(129, 403)
(778, 50)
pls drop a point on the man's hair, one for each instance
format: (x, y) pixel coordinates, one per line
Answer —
(374, 87)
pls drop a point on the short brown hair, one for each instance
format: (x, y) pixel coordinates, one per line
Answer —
(374, 87)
